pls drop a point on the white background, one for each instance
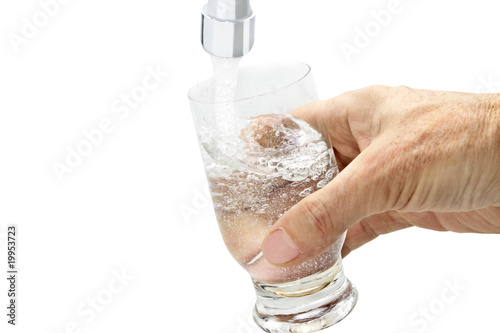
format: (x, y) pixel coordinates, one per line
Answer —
(120, 208)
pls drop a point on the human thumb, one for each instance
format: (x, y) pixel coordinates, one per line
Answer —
(311, 226)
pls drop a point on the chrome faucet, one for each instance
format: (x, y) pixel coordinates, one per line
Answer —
(227, 28)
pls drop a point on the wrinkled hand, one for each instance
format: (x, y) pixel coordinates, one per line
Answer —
(408, 158)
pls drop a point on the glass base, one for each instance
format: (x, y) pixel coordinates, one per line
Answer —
(305, 308)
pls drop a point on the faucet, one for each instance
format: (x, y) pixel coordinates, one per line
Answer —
(227, 28)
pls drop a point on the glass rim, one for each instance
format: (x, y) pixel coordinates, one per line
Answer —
(307, 72)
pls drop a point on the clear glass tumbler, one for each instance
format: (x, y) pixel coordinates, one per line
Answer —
(270, 163)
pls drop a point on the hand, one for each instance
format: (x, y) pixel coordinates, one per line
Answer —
(407, 158)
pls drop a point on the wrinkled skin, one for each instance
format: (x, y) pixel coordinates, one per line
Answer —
(407, 157)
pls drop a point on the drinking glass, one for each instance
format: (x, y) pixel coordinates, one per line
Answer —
(267, 163)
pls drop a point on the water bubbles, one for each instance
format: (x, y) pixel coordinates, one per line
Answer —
(306, 192)
(322, 183)
(297, 184)
(329, 175)
(264, 208)
(280, 167)
(273, 163)
(296, 174)
(332, 172)
(279, 160)
(226, 147)
(316, 169)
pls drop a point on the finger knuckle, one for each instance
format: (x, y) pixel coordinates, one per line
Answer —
(318, 218)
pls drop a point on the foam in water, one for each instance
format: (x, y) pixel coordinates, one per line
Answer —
(279, 160)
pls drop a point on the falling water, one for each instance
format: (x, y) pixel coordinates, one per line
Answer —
(225, 81)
